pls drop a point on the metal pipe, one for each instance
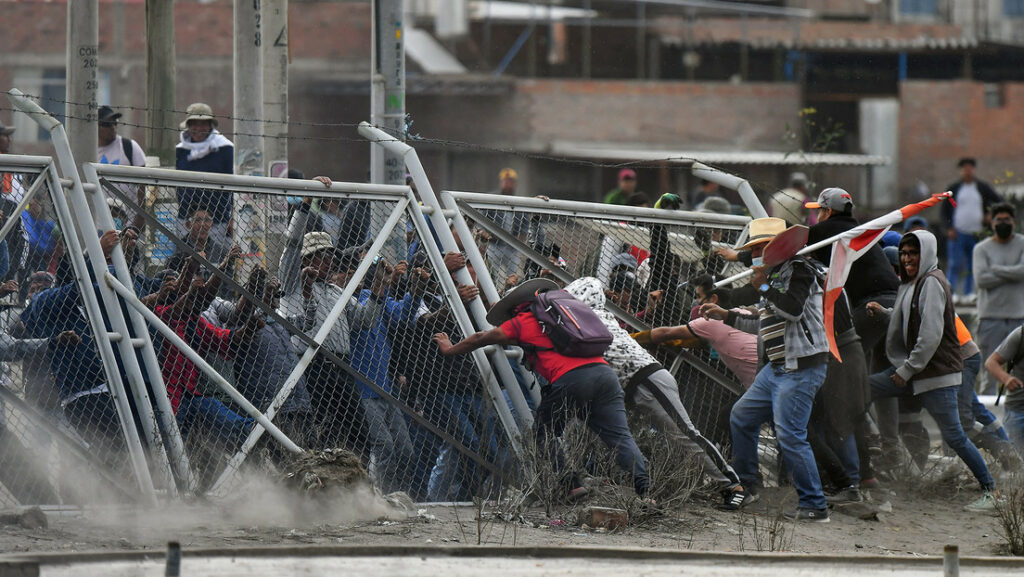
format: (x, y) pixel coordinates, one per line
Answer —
(600, 210)
(260, 184)
(310, 352)
(172, 337)
(734, 182)
(160, 422)
(490, 291)
(62, 149)
(498, 362)
(447, 239)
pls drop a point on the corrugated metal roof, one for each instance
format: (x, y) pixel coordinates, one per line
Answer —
(714, 157)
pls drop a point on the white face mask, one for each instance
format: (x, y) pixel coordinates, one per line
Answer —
(757, 261)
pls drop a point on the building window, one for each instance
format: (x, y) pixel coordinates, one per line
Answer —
(1013, 7)
(919, 6)
(49, 87)
(994, 96)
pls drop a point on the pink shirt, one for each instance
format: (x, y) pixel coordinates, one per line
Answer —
(737, 349)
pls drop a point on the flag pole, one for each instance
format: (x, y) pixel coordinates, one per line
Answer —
(917, 207)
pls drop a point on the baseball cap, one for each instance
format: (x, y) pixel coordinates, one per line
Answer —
(508, 173)
(107, 115)
(832, 198)
(627, 173)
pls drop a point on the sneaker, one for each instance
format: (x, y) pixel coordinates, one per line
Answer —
(850, 494)
(808, 515)
(736, 499)
(987, 503)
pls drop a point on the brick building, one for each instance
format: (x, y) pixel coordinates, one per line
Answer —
(920, 82)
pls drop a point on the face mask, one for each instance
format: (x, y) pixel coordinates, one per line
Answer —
(694, 312)
(757, 261)
(1004, 230)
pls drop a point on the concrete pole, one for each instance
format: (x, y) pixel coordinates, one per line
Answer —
(249, 218)
(161, 136)
(275, 81)
(387, 107)
(82, 78)
(248, 85)
(275, 114)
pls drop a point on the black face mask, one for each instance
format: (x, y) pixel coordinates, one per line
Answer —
(1004, 230)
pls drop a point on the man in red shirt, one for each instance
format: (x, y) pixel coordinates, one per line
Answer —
(583, 386)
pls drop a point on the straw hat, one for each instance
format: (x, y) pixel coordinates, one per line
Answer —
(763, 230)
(502, 310)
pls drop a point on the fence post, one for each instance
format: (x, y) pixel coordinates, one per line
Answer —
(437, 218)
(62, 147)
(178, 460)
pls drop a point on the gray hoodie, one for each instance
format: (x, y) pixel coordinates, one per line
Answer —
(625, 356)
(932, 305)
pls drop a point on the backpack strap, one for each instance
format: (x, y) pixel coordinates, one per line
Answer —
(129, 152)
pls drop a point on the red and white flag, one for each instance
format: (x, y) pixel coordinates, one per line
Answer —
(854, 243)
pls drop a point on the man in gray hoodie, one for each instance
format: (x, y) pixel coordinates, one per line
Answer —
(922, 345)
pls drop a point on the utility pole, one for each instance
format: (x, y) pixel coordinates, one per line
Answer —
(248, 88)
(249, 218)
(82, 79)
(275, 82)
(387, 105)
(275, 115)
(161, 136)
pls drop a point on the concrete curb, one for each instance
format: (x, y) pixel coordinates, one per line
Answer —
(28, 564)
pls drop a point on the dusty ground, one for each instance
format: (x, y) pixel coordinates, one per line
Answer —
(917, 525)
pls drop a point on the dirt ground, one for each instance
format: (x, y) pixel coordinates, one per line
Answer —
(922, 520)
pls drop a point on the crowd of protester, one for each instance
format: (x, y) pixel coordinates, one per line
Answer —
(389, 384)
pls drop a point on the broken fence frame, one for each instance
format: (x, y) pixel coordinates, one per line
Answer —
(89, 212)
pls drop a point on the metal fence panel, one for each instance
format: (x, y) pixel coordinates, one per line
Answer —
(61, 441)
(634, 252)
(372, 382)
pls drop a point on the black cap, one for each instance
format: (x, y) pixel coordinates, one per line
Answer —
(107, 115)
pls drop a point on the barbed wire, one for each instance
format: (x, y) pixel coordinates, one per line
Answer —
(416, 138)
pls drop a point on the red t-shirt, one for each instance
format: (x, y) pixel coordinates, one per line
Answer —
(180, 374)
(551, 365)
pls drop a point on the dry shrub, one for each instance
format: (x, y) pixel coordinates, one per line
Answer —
(1011, 519)
(772, 532)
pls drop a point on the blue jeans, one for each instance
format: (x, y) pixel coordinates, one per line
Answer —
(207, 412)
(941, 404)
(1014, 421)
(960, 262)
(786, 397)
(464, 414)
(971, 409)
(592, 393)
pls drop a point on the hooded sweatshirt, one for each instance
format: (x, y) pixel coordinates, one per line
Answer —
(626, 357)
(923, 310)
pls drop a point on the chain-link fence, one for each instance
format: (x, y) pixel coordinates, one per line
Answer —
(318, 307)
(61, 437)
(646, 259)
